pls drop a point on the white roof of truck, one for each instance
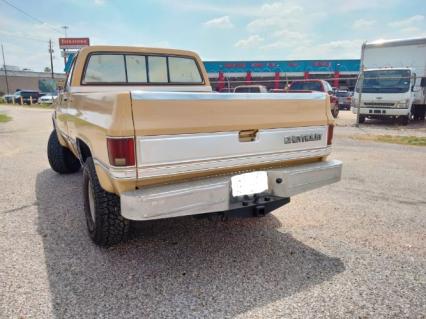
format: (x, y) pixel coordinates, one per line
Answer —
(395, 42)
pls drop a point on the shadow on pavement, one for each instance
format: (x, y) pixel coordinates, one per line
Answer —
(172, 268)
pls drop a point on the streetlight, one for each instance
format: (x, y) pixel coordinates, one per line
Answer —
(65, 27)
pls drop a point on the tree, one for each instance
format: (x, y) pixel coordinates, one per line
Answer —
(47, 69)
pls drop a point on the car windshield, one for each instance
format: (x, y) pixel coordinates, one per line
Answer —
(306, 86)
(386, 81)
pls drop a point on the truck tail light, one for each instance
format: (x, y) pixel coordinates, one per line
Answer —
(330, 134)
(121, 151)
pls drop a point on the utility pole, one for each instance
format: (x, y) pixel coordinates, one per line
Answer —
(51, 57)
(360, 84)
(5, 71)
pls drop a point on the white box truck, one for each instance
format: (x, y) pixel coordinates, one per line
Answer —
(394, 80)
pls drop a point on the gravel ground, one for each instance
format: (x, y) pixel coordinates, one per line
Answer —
(353, 249)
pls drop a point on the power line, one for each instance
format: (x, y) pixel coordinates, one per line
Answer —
(31, 16)
(23, 37)
(5, 69)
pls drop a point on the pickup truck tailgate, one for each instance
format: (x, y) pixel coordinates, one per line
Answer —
(180, 133)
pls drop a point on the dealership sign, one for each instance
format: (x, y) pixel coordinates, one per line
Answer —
(73, 43)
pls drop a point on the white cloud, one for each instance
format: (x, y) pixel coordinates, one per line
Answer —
(99, 2)
(339, 49)
(412, 26)
(277, 15)
(408, 23)
(251, 42)
(287, 39)
(289, 35)
(285, 25)
(220, 23)
(358, 5)
(282, 8)
(363, 24)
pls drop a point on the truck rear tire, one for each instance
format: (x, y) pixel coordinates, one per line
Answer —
(361, 119)
(419, 113)
(335, 111)
(102, 209)
(61, 159)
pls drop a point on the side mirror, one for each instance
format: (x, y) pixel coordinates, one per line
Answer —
(330, 92)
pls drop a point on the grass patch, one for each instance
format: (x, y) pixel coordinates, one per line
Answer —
(4, 118)
(395, 139)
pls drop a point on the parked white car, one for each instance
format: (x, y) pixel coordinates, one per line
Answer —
(48, 98)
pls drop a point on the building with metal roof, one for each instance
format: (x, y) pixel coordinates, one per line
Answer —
(277, 74)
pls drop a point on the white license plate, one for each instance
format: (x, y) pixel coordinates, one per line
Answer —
(249, 183)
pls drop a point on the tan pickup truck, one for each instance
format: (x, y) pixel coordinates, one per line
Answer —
(155, 142)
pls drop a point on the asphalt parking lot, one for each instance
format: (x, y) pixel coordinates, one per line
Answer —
(353, 249)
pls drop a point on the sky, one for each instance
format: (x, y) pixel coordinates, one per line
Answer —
(217, 30)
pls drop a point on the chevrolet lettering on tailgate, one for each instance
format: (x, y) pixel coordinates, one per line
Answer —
(302, 138)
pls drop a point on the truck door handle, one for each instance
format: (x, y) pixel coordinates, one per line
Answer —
(247, 135)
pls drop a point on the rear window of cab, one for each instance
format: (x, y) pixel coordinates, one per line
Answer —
(112, 68)
(306, 86)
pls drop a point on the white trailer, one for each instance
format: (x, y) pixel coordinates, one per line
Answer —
(392, 81)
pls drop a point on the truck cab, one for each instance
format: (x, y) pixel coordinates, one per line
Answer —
(392, 82)
(387, 92)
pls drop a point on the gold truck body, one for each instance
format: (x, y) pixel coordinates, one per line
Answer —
(189, 141)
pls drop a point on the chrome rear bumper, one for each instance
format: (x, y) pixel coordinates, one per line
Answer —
(215, 195)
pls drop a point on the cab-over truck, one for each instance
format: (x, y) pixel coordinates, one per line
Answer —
(155, 142)
(393, 83)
